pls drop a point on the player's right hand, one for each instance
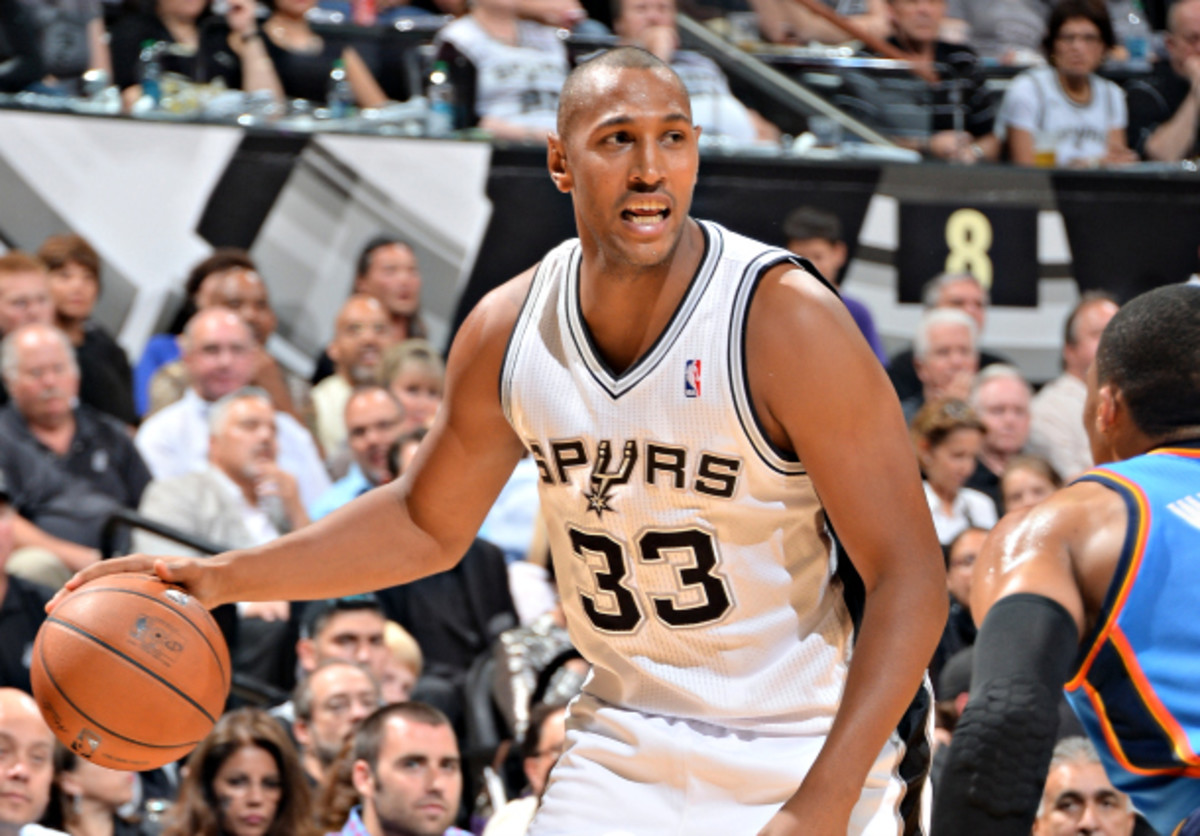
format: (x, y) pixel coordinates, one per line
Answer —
(187, 572)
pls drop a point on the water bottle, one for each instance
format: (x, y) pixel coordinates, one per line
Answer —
(340, 99)
(151, 70)
(1137, 33)
(441, 101)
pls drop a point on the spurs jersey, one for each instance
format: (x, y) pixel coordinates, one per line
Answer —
(692, 556)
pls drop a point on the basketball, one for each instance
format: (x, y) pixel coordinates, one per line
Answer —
(129, 672)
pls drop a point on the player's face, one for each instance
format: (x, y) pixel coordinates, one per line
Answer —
(1003, 406)
(1078, 48)
(220, 356)
(1079, 799)
(1023, 488)
(24, 299)
(355, 636)
(629, 157)
(394, 278)
(417, 783)
(342, 697)
(419, 390)
(73, 289)
(46, 380)
(373, 422)
(248, 788)
(949, 464)
(26, 761)
(962, 563)
(364, 330)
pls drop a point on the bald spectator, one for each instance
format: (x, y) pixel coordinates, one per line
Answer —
(219, 353)
(1001, 398)
(44, 415)
(105, 379)
(945, 358)
(1057, 432)
(24, 296)
(362, 332)
(26, 765)
(330, 703)
(374, 420)
(948, 290)
(1078, 798)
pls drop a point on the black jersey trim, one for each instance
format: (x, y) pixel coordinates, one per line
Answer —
(773, 456)
(516, 337)
(617, 385)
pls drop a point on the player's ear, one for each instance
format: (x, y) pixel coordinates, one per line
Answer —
(556, 161)
(1109, 408)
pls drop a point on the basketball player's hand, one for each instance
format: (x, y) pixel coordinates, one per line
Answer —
(192, 574)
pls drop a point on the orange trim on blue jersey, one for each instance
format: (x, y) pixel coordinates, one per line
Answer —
(1186, 452)
(1166, 721)
(1135, 562)
(1114, 745)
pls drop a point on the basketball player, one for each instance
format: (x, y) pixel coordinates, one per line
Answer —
(1096, 587)
(687, 395)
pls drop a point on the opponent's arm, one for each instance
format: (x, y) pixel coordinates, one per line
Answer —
(820, 391)
(417, 526)
(1036, 580)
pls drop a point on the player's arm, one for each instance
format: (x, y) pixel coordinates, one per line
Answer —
(819, 390)
(417, 526)
(1036, 580)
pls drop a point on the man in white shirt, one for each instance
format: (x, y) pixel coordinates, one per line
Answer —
(26, 765)
(1057, 432)
(219, 353)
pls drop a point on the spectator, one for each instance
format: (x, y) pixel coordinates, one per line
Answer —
(415, 374)
(362, 333)
(23, 60)
(506, 71)
(1057, 431)
(396, 799)
(43, 381)
(1079, 798)
(86, 797)
(786, 22)
(1164, 110)
(24, 296)
(219, 353)
(374, 420)
(917, 25)
(1000, 397)
(404, 664)
(1008, 32)
(330, 703)
(73, 270)
(72, 39)
(948, 436)
(945, 359)
(244, 778)
(351, 629)
(960, 626)
(542, 748)
(816, 234)
(22, 607)
(230, 280)
(27, 767)
(234, 53)
(1027, 480)
(650, 24)
(948, 290)
(1067, 106)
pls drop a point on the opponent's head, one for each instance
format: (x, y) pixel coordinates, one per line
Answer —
(628, 152)
(1144, 388)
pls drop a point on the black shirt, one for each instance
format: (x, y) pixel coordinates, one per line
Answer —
(21, 614)
(1153, 101)
(105, 379)
(213, 59)
(958, 68)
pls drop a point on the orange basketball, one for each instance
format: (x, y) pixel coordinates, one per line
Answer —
(130, 672)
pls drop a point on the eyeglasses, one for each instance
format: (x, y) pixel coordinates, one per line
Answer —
(1078, 37)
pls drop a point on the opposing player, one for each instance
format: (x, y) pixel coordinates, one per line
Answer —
(700, 408)
(1096, 587)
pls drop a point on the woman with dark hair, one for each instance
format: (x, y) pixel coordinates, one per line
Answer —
(244, 779)
(85, 797)
(1065, 109)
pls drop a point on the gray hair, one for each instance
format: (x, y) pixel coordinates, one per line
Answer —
(1075, 749)
(941, 316)
(996, 371)
(9, 361)
(933, 288)
(220, 409)
(302, 696)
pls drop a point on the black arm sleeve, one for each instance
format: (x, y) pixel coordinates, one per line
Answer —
(1003, 742)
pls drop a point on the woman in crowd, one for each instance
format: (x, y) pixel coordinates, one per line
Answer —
(1027, 480)
(86, 797)
(415, 374)
(197, 46)
(244, 779)
(507, 71)
(948, 435)
(1065, 108)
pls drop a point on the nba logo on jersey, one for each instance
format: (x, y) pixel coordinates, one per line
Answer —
(691, 379)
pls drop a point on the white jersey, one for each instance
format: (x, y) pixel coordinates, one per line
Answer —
(693, 559)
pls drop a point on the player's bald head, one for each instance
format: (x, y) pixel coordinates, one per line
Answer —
(596, 74)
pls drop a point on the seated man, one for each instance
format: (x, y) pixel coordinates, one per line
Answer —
(945, 359)
(374, 420)
(219, 352)
(43, 381)
(26, 765)
(650, 24)
(330, 703)
(1164, 110)
(423, 799)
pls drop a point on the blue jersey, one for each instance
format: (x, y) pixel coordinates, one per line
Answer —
(1137, 686)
